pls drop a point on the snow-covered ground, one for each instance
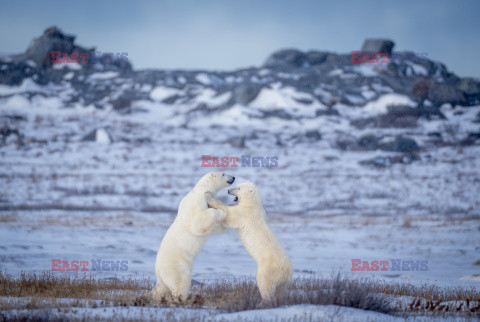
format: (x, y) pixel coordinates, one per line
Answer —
(69, 199)
(65, 198)
(289, 313)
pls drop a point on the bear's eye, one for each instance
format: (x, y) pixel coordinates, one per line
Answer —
(223, 174)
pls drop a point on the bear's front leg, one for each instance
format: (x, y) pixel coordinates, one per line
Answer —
(204, 222)
(214, 202)
(234, 217)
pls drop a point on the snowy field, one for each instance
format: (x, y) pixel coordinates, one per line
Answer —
(69, 199)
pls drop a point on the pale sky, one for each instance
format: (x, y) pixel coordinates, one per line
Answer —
(230, 34)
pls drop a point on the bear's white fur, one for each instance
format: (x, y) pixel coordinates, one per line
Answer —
(194, 224)
(274, 268)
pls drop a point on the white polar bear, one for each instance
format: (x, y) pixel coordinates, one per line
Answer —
(193, 225)
(274, 268)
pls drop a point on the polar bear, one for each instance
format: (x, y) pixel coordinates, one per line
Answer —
(194, 224)
(274, 268)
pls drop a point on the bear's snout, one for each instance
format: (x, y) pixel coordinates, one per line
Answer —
(231, 180)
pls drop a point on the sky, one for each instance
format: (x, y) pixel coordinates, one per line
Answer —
(230, 34)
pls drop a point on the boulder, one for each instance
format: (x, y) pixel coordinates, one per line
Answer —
(53, 39)
(471, 90)
(368, 142)
(286, 58)
(313, 135)
(316, 57)
(440, 94)
(99, 135)
(6, 132)
(385, 161)
(399, 116)
(378, 46)
(371, 142)
(469, 86)
(245, 92)
(400, 144)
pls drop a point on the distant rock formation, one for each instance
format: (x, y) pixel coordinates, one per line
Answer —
(53, 39)
(378, 46)
(291, 84)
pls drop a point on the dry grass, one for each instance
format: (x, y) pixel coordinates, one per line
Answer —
(37, 291)
(48, 284)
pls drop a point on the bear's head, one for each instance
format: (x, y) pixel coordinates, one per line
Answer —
(246, 193)
(215, 181)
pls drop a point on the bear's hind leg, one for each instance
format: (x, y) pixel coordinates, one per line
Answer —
(159, 292)
(178, 282)
(266, 285)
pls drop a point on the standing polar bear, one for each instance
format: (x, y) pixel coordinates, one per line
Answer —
(274, 268)
(194, 224)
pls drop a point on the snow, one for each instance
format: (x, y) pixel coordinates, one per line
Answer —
(69, 76)
(287, 98)
(160, 93)
(367, 70)
(369, 94)
(210, 98)
(208, 79)
(379, 106)
(103, 75)
(295, 313)
(418, 69)
(28, 85)
(308, 313)
(336, 72)
(101, 136)
(31, 63)
(73, 66)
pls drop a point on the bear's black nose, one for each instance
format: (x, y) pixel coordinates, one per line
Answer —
(231, 180)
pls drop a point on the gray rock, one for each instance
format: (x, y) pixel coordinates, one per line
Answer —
(439, 93)
(238, 142)
(245, 92)
(316, 57)
(330, 111)
(469, 86)
(368, 142)
(399, 116)
(471, 90)
(53, 39)
(400, 144)
(100, 135)
(6, 131)
(385, 161)
(286, 58)
(336, 60)
(471, 139)
(313, 135)
(378, 46)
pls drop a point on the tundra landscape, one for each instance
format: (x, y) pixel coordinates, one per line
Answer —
(369, 173)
